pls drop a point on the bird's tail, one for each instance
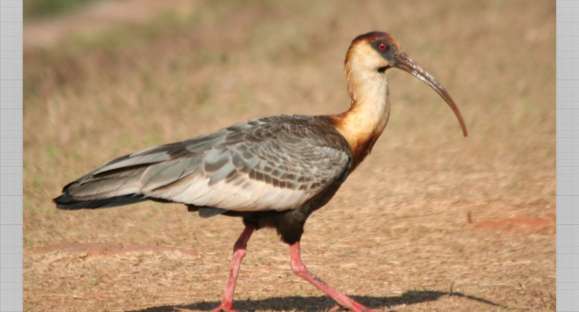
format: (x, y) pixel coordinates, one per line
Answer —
(102, 190)
(68, 202)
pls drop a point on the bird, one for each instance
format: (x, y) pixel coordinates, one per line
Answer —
(272, 172)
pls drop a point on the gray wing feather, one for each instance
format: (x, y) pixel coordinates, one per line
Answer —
(276, 163)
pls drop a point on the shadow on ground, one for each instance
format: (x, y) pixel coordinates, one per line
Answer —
(320, 303)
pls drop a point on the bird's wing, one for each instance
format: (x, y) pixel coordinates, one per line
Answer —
(275, 163)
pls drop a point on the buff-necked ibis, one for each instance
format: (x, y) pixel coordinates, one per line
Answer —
(272, 172)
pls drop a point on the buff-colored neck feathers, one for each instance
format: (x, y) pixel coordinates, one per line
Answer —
(364, 122)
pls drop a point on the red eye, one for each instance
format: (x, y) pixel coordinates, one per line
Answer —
(382, 47)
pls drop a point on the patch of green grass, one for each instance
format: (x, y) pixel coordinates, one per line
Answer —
(47, 8)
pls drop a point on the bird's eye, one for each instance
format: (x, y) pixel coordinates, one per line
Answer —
(382, 46)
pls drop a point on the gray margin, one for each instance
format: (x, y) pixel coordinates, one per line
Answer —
(567, 68)
(11, 238)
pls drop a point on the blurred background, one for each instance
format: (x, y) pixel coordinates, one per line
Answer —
(430, 221)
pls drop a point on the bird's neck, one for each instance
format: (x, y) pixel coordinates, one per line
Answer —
(364, 121)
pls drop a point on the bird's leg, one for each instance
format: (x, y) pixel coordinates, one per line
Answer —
(238, 254)
(300, 270)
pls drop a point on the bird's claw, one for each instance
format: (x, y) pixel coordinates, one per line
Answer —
(336, 308)
(224, 307)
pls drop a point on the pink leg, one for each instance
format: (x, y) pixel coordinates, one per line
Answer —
(300, 270)
(238, 254)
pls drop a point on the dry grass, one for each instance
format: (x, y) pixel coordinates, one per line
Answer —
(430, 222)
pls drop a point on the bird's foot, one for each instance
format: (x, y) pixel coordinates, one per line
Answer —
(337, 308)
(224, 307)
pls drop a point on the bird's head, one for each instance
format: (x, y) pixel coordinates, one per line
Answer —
(376, 52)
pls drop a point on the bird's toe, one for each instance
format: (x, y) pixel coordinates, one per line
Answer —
(224, 308)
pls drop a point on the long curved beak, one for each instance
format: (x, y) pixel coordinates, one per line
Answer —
(405, 63)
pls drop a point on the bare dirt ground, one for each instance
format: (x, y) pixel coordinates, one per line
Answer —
(430, 222)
